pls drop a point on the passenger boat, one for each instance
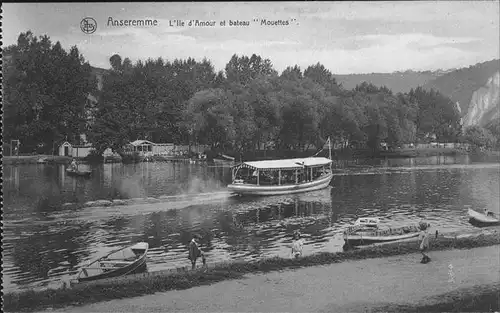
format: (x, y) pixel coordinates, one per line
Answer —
(279, 177)
(480, 219)
(125, 261)
(78, 173)
(368, 231)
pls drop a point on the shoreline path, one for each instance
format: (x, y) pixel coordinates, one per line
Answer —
(354, 286)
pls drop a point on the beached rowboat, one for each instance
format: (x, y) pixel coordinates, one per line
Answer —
(120, 262)
(481, 219)
(367, 233)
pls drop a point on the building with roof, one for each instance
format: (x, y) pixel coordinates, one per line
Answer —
(148, 148)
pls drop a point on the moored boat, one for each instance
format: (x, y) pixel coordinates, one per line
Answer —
(125, 261)
(78, 173)
(367, 222)
(223, 160)
(480, 219)
(365, 233)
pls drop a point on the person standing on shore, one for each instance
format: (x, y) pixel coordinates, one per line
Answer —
(424, 242)
(297, 245)
(195, 252)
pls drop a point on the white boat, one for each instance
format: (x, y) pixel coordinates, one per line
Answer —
(367, 231)
(482, 219)
(367, 222)
(280, 177)
(223, 160)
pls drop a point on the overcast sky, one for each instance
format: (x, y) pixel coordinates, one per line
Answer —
(347, 37)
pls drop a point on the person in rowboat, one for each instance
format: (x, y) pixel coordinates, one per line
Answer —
(195, 252)
(424, 242)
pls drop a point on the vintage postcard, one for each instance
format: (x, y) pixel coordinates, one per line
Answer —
(157, 156)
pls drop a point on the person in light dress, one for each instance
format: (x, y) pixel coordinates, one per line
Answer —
(297, 245)
(424, 242)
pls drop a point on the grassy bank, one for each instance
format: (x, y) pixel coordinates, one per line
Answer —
(476, 299)
(33, 159)
(427, 152)
(139, 285)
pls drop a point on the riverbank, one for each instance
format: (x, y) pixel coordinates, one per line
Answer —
(37, 159)
(56, 159)
(397, 284)
(347, 155)
(139, 285)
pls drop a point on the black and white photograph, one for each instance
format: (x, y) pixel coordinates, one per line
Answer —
(301, 156)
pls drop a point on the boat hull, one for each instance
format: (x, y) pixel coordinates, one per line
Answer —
(223, 162)
(481, 220)
(79, 173)
(136, 267)
(359, 240)
(254, 190)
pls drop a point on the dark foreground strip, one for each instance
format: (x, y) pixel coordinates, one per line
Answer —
(477, 299)
(137, 286)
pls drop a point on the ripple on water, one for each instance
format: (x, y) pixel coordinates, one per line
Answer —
(41, 248)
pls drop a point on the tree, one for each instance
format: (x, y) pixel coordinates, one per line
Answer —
(116, 62)
(494, 128)
(479, 137)
(207, 116)
(243, 69)
(45, 92)
(436, 115)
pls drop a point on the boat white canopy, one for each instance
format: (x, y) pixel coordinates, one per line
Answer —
(286, 164)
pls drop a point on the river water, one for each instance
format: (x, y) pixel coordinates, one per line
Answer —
(46, 242)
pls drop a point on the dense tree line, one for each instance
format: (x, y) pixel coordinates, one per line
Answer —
(246, 106)
(487, 137)
(45, 90)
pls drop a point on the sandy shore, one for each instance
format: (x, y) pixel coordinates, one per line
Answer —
(356, 286)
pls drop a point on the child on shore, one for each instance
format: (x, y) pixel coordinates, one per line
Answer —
(424, 242)
(297, 245)
(195, 252)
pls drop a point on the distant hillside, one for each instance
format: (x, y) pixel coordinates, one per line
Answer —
(461, 84)
(397, 81)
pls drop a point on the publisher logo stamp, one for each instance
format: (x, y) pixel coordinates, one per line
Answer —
(88, 25)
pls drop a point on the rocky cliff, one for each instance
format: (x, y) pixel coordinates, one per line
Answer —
(460, 85)
(485, 103)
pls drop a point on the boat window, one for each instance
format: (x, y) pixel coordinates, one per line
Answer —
(247, 175)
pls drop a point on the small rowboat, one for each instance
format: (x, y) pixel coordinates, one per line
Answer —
(125, 261)
(78, 173)
(480, 219)
(366, 232)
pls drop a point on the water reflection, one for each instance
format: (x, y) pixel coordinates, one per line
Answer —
(45, 242)
(44, 251)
